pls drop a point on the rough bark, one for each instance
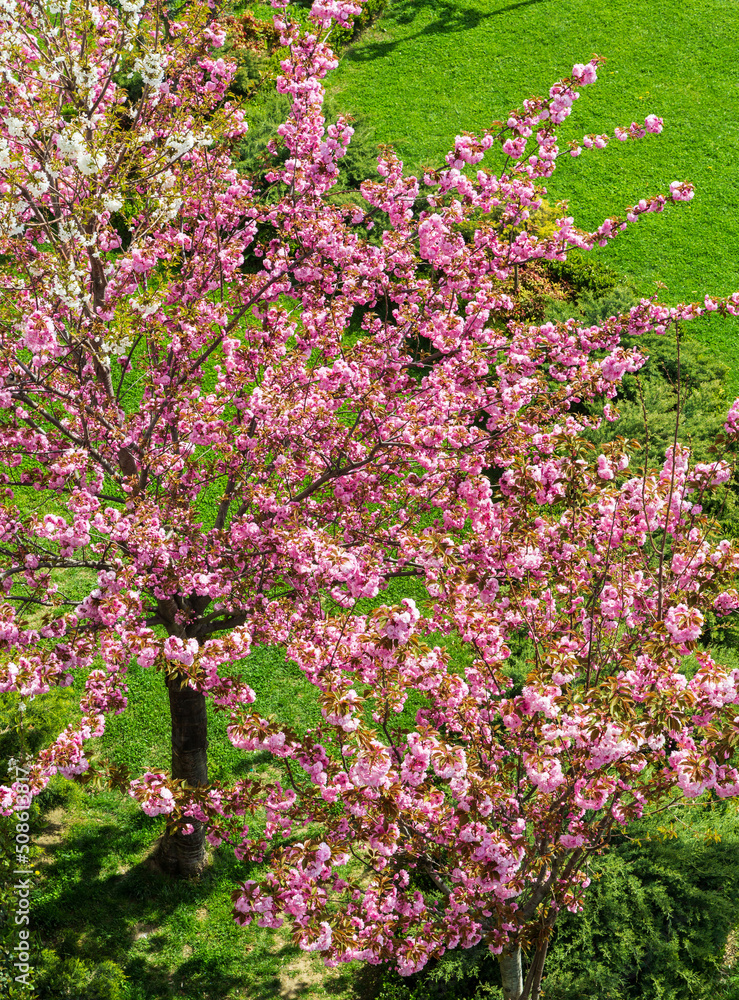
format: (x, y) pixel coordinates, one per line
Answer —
(182, 855)
(511, 973)
(532, 985)
(538, 968)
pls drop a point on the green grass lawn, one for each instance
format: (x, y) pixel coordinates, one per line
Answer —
(99, 897)
(430, 69)
(103, 909)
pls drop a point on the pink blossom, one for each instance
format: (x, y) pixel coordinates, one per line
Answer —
(153, 794)
(545, 773)
(731, 426)
(684, 624)
(40, 335)
(681, 191)
(584, 74)
(605, 470)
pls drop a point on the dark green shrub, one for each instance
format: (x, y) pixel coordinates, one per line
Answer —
(341, 37)
(649, 405)
(360, 160)
(658, 914)
(591, 308)
(253, 43)
(467, 975)
(249, 74)
(648, 401)
(657, 917)
(268, 110)
(582, 273)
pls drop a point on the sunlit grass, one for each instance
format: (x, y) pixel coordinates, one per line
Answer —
(431, 69)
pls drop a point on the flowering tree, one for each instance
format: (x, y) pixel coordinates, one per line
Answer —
(246, 412)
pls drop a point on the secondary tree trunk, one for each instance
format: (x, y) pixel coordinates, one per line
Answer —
(532, 985)
(182, 854)
(511, 973)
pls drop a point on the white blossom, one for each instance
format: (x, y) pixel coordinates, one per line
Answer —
(91, 163)
(84, 76)
(133, 9)
(180, 144)
(15, 126)
(66, 230)
(8, 10)
(69, 290)
(118, 347)
(10, 224)
(72, 145)
(39, 185)
(5, 157)
(151, 68)
(145, 309)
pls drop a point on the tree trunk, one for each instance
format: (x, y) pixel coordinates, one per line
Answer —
(532, 986)
(180, 854)
(510, 973)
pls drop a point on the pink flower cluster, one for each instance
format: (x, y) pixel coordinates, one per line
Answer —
(246, 420)
(153, 794)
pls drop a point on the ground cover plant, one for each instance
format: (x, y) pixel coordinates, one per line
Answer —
(428, 70)
(238, 414)
(103, 911)
(657, 916)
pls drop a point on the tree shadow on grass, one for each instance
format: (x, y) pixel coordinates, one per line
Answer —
(450, 17)
(83, 910)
